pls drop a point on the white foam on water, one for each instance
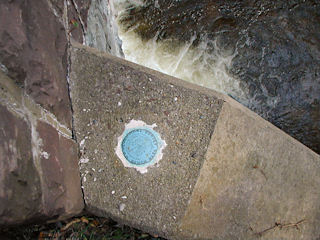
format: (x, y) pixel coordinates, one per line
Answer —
(205, 64)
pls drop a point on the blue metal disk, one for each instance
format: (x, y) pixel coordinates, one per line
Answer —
(140, 146)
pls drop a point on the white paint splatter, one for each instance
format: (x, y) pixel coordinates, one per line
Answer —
(84, 160)
(45, 155)
(82, 142)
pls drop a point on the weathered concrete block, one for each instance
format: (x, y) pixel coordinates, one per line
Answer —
(223, 172)
(39, 174)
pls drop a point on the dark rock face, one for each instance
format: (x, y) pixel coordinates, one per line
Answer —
(33, 48)
(20, 190)
(275, 45)
(278, 60)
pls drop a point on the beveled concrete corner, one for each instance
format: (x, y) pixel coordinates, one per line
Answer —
(256, 183)
(225, 173)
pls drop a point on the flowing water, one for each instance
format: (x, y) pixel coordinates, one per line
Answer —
(263, 53)
(203, 64)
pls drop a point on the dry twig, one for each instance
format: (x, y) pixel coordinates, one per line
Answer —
(70, 224)
(281, 226)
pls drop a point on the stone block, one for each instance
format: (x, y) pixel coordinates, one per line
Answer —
(20, 186)
(39, 174)
(33, 50)
(60, 173)
(222, 173)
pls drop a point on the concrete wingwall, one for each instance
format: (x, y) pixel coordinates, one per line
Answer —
(224, 173)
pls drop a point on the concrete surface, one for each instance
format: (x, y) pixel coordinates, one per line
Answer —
(254, 177)
(107, 94)
(225, 173)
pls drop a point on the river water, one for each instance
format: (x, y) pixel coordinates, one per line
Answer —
(203, 64)
(263, 53)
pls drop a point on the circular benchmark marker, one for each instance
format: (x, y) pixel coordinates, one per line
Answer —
(140, 146)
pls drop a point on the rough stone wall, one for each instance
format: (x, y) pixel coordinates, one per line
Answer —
(33, 50)
(39, 175)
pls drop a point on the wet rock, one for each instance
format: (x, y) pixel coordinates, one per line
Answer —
(286, 69)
